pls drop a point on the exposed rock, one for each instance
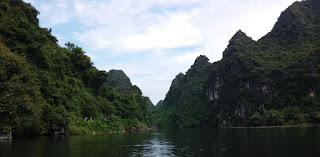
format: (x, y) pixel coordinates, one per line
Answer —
(248, 85)
(212, 92)
(261, 106)
(255, 76)
(215, 95)
(312, 94)
(210, 96)
(58, 130)
(264, 89)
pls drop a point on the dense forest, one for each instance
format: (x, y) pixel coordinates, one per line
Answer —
(272, 81)
(47, 89)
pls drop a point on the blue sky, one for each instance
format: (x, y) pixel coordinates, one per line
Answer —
(153, 40)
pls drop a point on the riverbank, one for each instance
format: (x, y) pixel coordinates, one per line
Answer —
(280, 126)
(6, 134)
(84, 131)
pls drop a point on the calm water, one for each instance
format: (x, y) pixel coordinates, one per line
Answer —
(268, 142)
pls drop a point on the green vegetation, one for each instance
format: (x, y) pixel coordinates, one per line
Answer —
(188, 97)
(272, 81)
(117, 78)
(160, 103)
(102, 124)
(48, 89)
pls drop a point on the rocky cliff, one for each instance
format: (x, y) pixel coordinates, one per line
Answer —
(272, 81)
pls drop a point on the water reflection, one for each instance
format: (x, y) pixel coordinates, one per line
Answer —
(180, 142)
(5, 147)
(155, 146)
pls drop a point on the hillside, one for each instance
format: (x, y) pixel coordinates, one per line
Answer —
(272, 81)
(117, 78)
(48, 89)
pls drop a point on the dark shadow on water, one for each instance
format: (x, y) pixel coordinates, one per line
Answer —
(248, 142)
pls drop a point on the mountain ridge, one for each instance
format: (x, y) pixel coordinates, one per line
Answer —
(272, 81)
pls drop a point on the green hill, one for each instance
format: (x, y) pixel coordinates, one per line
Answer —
(272, 81)
(48, 89)
(117, 78)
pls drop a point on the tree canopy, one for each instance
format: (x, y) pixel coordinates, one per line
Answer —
(272, 81)
(46, 88)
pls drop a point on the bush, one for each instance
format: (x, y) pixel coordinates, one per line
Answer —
(273, 117)
(256, 119)
(74, 130)
(315, 116)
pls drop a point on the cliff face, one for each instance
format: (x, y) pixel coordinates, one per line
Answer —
(186, 95)
(268, 82)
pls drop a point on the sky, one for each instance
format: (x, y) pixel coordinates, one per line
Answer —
(152, 41)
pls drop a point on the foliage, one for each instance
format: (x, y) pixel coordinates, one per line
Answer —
(256, 119)
(46, 88)
(273, 117)
(272, 81)
(20, 102)
(117, 78)
(184, 105)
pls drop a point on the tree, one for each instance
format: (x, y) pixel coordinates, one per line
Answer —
(20, 102)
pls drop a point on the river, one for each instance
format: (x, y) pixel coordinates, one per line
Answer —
(247, 142)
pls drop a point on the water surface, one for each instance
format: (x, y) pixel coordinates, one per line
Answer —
(248, 142)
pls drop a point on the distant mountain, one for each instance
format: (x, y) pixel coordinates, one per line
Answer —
(117, 78)
(272, 81)
(151, 106)
(160, 103)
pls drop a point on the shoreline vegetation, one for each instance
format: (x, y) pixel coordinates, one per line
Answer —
(48, 89)
(302, 125)
(143, 128)
(105, 125)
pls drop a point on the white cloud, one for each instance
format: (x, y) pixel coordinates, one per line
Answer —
(187, 57)
(95, 38)
(62, 4)
(135, 29)
(174, 32)
(149, 33)
(52, 12)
